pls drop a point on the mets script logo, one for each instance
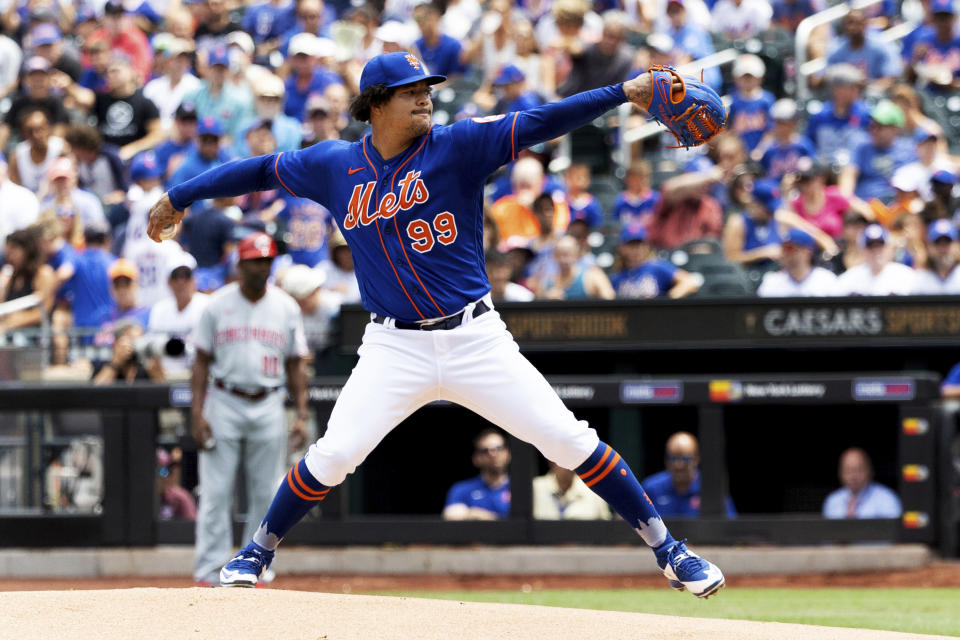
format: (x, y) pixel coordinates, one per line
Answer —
(412, 191)
(413, 62)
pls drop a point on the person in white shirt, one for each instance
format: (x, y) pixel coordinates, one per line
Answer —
(878, 275)
(319, 307)
(18, 205)
(560, 494)
(798, 277)
(501, 288)
(940, 275)
(860, 497)
(177, 315)
(740, 19)
(168, 90)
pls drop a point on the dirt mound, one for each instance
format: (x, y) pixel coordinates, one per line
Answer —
(271, 614)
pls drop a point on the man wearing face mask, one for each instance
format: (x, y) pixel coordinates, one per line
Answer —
(676, 490)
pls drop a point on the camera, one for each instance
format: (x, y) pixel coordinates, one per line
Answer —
(158, 345)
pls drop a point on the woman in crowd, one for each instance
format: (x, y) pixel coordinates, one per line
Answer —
(24, 273)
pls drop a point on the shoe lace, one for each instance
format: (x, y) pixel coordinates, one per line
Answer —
(251, 558)
(682, 560)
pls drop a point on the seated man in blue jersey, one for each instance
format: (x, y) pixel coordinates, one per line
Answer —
(676, 491)
(868, 53)
(842, 122)
(635, 205)
(780, 151)
(749, 112)
(935, 55)
(487, 496)
(440, 52)
(875, 160)
(646, 276)
(511, 87)
(860, 496)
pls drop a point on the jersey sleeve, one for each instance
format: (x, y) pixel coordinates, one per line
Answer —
(458, 494)
(202, 336)
(302, 173)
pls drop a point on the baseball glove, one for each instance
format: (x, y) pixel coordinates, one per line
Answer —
(694, 113)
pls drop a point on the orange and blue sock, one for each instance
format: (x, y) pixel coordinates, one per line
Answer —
(297, 494)
(611, 478)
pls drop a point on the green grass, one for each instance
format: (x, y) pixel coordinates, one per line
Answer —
(920, 610)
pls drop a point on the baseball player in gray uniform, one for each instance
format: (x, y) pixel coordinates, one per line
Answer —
(249, 342)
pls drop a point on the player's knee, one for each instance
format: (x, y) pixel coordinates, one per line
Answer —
(329, 466)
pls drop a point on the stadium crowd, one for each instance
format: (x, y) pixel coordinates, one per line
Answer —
(106, 104)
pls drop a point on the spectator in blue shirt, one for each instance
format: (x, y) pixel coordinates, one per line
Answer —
(860, 497)
(692, 41)
(583, 206)
(876, 160)
(206, 155)
(311, 19)
(486, 496)
(269, 20)
(645, 276)
(935, 54)
(635, 205)
(511, 85)
(171, 152)
(268, 106)
(88, 289)
(676, 490)
(749, 111)
(842, 122)
(94, 77)
(781, 151)
(873, 57)
(220, 99)
(439, 52)
(307, 75)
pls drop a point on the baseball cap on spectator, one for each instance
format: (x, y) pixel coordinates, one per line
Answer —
(184, 261)
(62, 167)
(85, 14)
(36, 63)
(908, 178)
(844, 74)
(516, 243)
(633, 234)
(210, 126)
(302, 44)
(96, 231)
(317, 103)
(748, 64)
(395, 70)
(944, 176)
(122, 268)
(508, 75)
(800, 238)
(767, 193)
(942, 229)
(145, 166)
(942, 6)
(393, 31)
(873, 234)
(256, 245)
(888, 113)
(114, 7)
(242, 40)
(324, 48)
(269, 86)
(784, 110)
(924, 135)
(660, 42)
(259, 123)
(186, 111)
(44, 33)
(300, 281)
(218, 56)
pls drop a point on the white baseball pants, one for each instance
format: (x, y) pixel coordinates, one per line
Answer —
(477, 365)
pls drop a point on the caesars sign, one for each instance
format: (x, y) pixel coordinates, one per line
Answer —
(872, 320)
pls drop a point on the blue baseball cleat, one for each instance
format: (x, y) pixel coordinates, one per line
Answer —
(686, 570)
(246, 567)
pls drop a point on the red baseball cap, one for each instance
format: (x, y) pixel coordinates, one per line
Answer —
(256, 245)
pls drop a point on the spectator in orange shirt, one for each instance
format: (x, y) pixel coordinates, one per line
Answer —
(514, 213)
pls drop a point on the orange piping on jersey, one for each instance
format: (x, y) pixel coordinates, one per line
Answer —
(303, 485)
(610, 467)
(277, 173)
(606, 454)
(397, 226)
(299, 493)
(513, 149)
(376, 175)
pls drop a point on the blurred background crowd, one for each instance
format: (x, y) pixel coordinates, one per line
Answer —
(836, 174)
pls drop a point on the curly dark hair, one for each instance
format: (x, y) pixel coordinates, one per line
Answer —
(84, 136)
(27, 239)
(373, 96)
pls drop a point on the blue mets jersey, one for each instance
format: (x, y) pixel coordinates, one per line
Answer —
(750, 117)
(414, 222)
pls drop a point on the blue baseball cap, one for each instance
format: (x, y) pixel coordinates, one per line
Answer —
(945, 176)
(767, 193)
(922, 135)
(395, 70)
(508, 75)
(44, 33)
(145, 166)
(942, 6)
(942, 229)
(210, 126)
(218, 55)
(633, 233)
(800, 238)
(873, 233)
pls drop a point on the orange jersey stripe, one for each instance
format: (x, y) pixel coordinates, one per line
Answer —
(606, 454)
(610, 467)
(299, 493)
(277, 173)
(513, 148)
(397, 226)
(303, 485)
(399, 281)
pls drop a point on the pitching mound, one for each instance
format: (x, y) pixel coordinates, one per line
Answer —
(273, 614)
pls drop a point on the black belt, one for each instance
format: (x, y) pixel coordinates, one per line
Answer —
(451, 322)
(246, 395)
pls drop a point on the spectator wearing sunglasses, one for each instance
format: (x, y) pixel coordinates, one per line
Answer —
(486, 496)
(676, 490)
